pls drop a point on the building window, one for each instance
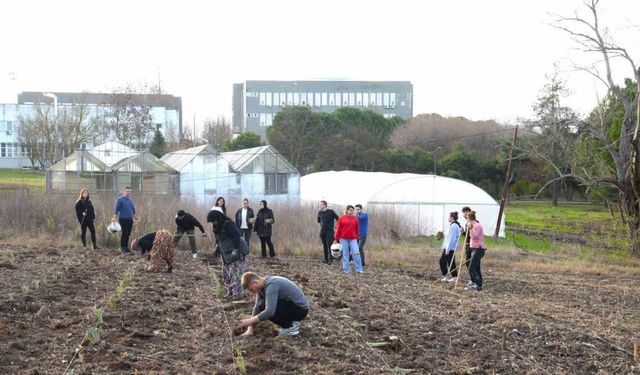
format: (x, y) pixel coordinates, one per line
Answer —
(268, 99)
(365, 99)
(392, 100)
(332, 99)
(378, 98)
(303, 98)
(262, 98)
(359, 99)
(3, 150)
(310, 99)
(385, 99)
(338, 99)
(318, 99)
(324, 99)
(276, 98)
(276, 183)
(289, 98)
(269, 119)
(263, 119)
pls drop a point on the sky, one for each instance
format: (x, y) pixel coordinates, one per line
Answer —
(481, 59)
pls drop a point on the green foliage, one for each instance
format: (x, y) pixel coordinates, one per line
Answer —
(159, 146)
(239, 360)
(93, 335)
(31, 178)
(245, 140)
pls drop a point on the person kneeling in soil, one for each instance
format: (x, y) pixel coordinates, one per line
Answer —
(279, 300)
(157, 247)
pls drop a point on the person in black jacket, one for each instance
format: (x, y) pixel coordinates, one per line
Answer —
(326, 218)
(263, 226)
(244, 220)
(186, 223)
(157, 247)
(86, 215)
(233, 249)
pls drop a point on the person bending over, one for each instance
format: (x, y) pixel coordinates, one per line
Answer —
(157, 247)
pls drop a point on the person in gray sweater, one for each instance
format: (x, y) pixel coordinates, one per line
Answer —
(279, 300)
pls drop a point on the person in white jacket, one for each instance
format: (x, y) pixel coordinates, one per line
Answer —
(449, 245)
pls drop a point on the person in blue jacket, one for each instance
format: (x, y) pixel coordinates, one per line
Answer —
(449, 245)
(125, 213)
(363, 222)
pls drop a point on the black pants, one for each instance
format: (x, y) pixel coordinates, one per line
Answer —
(287, 312)
(192, 239)
(246, 233)
(448, 263)
(474, 267)
(83, 234)
(126, 225)
(467, 255)
(267, 241)
(361, 241)
(327, 241)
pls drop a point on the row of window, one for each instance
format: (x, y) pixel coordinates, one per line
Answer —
(266, 119)
(12, 150)
(334, 99)
(6, 126)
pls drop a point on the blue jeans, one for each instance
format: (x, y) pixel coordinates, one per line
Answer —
(350, 246)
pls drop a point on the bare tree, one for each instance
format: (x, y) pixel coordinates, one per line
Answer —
(127, 117)
(593, 37)
(217, 131)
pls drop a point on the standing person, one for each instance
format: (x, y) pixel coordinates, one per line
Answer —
(233, 249)
(326, 219)
(476, 232)
(220, 202)
(279, 300)
(467, 238)
(186, 223)
(263, 226)
(125, 213)
(449, 246)
(347, 235)
(158, 246)
(244, 220)
(363, 223)
(86, 215)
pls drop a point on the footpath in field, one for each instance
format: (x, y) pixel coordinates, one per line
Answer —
(387, 320)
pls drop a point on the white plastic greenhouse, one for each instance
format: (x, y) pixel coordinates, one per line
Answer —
(422, 202)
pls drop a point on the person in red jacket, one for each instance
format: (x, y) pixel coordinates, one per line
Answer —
(347, 236)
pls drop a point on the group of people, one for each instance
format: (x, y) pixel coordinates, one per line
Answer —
(474, 249)
(351, 233)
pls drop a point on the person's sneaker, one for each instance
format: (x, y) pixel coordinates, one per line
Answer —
(95, 247)
(444, 279)
(471, 287)
(291, 331)
(295, 324)
(84, 248)
(469, 283)
(452, 279)
(194, 256)
(478, 289)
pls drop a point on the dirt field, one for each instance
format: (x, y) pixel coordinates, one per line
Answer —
(535, 323)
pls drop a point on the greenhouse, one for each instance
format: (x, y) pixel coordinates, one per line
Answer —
(421, 202)
(109, 168)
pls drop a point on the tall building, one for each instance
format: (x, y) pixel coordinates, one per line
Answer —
(255, 103)
(165, 111)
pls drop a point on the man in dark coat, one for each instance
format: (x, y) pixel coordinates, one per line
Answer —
(186, 223)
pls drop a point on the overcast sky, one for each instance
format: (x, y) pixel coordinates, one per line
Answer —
(481, 59)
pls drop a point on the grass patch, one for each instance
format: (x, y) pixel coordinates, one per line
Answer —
(563, 218)
(31, 178)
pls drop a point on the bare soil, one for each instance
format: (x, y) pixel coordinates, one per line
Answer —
(174, 323)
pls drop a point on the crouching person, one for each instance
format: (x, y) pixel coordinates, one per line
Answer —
(279, 300)
(157, 247)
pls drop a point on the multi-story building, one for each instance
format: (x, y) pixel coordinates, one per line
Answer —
(255, 103)
(165, 110)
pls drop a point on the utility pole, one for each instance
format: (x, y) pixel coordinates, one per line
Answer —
(505, 187)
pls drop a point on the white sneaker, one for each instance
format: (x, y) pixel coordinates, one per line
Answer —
(469, 283)
(291, 331)
(444, 279)
(295, 324)
(452, 280)
(471, 287)
(195, 256)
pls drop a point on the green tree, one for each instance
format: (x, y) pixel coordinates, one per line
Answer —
(245, 140)
(158, 146)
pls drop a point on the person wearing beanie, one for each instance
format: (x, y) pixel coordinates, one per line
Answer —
(186, 224)
(233, 249)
